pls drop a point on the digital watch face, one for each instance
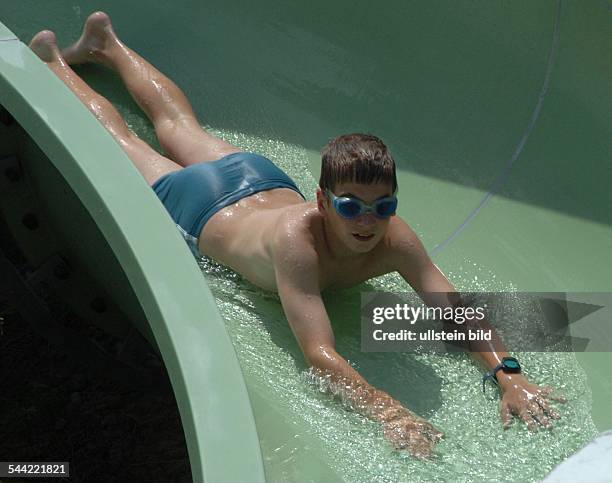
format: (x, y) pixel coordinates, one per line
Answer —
(511, 365)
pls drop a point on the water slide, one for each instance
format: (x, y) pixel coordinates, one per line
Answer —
(498, 116)
(84, 194)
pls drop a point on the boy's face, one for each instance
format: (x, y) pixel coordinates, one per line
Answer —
(362, 233)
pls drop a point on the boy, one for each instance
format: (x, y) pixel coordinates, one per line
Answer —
(242, 210)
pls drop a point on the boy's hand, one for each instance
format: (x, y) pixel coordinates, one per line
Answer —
(412, 433)
(529, 402)
(405, 430)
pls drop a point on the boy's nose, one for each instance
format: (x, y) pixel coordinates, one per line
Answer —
(367, 219)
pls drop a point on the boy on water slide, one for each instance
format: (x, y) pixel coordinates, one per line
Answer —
(242, 210)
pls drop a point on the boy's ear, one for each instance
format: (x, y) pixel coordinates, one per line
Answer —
(320, 200)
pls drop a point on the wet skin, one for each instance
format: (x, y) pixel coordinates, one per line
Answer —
(299, 249)
(281, 243)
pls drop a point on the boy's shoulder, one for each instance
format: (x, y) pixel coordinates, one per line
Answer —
(296, 233)
(400, 234)
(401, 240)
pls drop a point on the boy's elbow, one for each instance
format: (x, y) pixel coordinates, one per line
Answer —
(322, 357)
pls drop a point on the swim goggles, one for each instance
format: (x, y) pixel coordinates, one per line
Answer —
(349, 207)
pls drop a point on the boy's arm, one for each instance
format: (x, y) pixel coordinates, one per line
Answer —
(520, 397)
(296, 266)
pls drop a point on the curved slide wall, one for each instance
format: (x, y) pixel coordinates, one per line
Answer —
(498, 114)
(134, 250)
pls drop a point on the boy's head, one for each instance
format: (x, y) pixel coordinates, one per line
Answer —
(358, 158)
(357, 184)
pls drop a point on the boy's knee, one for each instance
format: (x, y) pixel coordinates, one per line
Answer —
(131, 142)
(171, 127)
(173, 133)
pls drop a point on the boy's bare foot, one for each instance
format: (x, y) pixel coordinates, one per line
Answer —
(98, 36)
(44, 44)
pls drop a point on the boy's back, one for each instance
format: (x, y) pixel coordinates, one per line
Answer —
(242, 210)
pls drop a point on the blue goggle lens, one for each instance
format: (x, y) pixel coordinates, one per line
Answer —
(386, 208)
(351, 207)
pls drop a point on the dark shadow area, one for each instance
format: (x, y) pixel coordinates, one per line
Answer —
(55, 406)
(78, 383)
(52, 410)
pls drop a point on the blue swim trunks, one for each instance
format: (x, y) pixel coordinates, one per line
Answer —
(194, 194)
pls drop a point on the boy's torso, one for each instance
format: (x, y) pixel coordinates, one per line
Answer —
(242, 236)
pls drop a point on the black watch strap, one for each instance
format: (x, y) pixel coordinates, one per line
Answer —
(509, 365)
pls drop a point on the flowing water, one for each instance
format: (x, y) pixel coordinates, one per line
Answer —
(453, 87)
(445, 389)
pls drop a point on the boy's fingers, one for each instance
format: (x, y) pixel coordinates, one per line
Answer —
(547, 392)
(418, 437)
(559, 398)
(525, 415)
(548, 411)
(544, 421)
(432, 433)
(537, 412)
(420, 447)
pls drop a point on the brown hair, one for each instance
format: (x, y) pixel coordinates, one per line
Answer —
(359, 158)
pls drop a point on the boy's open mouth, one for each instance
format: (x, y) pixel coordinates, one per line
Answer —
(363, 237)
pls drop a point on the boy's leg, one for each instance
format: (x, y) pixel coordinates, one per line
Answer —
(149, 162)
(176, 125)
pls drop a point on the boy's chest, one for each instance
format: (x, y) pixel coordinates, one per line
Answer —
(335, 274)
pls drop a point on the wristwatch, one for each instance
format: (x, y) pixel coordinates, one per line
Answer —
(509, 365)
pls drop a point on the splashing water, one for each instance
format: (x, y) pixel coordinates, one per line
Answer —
(445, 389)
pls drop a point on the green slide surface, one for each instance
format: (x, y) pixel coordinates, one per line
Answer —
(498, 115)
